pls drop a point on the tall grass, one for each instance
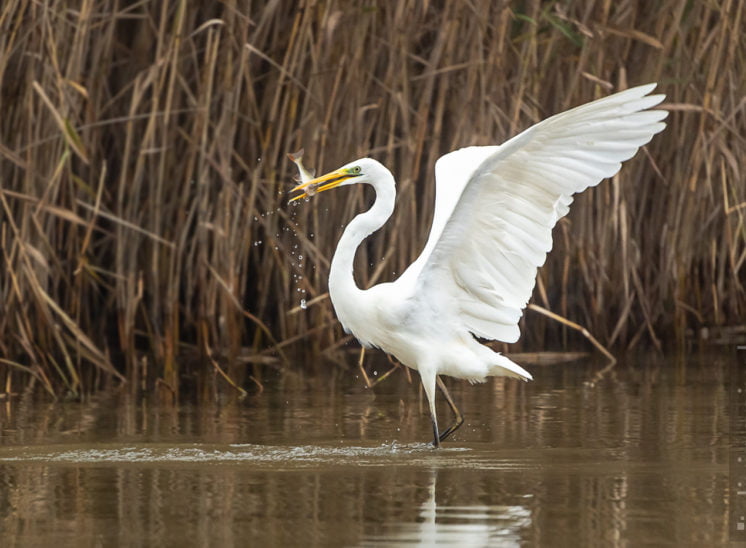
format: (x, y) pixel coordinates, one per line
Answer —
(143, 170)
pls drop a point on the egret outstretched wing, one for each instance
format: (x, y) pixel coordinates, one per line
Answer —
(496, 207)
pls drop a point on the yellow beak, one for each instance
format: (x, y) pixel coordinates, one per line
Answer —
(320, 184)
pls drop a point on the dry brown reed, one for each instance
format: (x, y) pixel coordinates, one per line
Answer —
(143, 170)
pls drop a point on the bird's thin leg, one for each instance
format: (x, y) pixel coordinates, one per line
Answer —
(428, 383)
(459, 418)
(436, 437)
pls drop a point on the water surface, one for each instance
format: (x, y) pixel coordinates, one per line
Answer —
(639, 456)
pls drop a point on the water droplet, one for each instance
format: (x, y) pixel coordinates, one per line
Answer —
(300, 257)
(303, 304)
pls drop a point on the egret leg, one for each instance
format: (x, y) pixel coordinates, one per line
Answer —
(436, 437)
(428, 383)
(459, 417)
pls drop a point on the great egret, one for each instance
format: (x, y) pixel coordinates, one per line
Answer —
(495, 208)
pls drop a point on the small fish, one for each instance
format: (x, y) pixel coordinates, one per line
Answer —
(305, 175)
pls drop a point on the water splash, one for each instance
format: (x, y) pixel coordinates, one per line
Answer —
(377, 455)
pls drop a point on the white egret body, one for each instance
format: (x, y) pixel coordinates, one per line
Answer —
(495, 209)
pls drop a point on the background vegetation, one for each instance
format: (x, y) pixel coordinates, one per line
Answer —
(143, 175)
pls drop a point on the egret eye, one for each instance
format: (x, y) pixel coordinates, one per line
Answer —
(355, 170)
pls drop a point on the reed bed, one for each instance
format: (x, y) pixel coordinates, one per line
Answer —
(143, 176)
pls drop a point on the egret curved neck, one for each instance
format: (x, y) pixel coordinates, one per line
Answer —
(341, 279)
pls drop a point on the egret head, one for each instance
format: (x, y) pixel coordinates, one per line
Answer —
(364, 170)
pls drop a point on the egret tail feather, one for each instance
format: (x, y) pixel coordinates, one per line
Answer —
(504, 367)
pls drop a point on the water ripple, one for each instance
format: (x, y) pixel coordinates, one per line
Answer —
(294, 456)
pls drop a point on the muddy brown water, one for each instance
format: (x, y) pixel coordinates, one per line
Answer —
(640, 457)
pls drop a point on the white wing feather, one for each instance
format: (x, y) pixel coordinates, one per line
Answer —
(496, 207)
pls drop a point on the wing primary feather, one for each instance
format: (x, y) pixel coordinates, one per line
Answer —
(496, 207)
